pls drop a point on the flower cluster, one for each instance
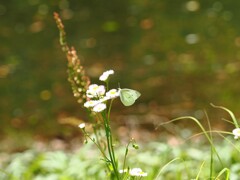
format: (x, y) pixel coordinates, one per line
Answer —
(134, 172)
(236, 133)
(98, 96)
(76, 74)
(137, 172)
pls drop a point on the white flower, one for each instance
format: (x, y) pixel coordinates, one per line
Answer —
(92, 86)
(137, 172)
(236, 133)
(105, 75)
(91, 92)
(99, 107)
(90, 103)
(113, 93)
(103, 99)
(82, 125)
(95, 90)
(101, 90)
(123, 171)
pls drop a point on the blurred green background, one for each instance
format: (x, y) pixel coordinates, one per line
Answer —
(181, 55)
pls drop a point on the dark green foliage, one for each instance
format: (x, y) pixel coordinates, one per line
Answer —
(144, 39)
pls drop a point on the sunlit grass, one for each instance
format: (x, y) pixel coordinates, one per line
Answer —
(207, 159)
(161, 161)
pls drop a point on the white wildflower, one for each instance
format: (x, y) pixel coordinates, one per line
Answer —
(95, 90)
(101, 90)
(103, 99)
(105, 75)
(82, 125)
(137, 172)
(113, 93)
(236, 133)
(89, 94)
(93, 86)
(91, 103)
(99, 107)
(123, 171)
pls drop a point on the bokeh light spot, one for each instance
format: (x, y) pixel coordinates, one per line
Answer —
(33, 2)
(63, 4)
(67, 14)
(192, 5)
(147, 23)
(45, 95)
(4, 71)
(149, 59)
(91, 42)
(43, 9)
(237, 41)
(192, 38)
(36, 27)
(110, 26)
(217, 6)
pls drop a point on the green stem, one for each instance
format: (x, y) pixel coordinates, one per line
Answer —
(229, 112)
(109, 144)
(109, 110)
(125, 156)
(162, 169)
(108, 121)
(98, 146)
(97, 142)
(203, 130)
(212, 151)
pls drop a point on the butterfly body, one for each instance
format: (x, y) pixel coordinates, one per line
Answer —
(129, 96)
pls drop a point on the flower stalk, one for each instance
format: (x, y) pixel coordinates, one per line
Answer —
(95, 99)
(76, 74)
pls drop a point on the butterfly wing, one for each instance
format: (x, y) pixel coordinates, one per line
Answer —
(128, 96)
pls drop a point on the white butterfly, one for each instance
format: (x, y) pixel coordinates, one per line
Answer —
(129, 96)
